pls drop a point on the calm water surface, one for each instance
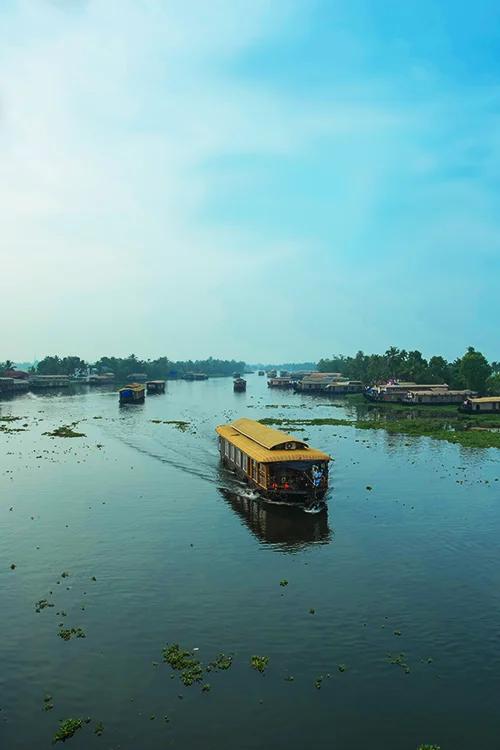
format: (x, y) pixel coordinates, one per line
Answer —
(182, 553)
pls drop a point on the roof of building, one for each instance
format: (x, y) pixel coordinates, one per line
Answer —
(264, 443)
(485, 400)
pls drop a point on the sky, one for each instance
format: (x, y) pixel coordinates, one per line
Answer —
(269, 181)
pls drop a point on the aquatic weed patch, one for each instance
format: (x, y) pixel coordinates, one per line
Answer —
(178, 423)
(191, 669)
(68, 633)
(456, 430)
(259, 663)
(67, 728)
(400, 661)
(65, 431)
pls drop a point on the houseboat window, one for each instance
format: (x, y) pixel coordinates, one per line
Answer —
(244, 462)
(226, 448)
(237, 456)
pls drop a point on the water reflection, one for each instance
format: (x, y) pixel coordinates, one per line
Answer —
(286, 527)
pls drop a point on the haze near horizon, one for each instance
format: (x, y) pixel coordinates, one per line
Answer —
(267, 182)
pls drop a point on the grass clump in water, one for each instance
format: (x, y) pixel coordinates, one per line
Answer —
(67, 729)
(179, 423)
(259, 663)
(400, 661)
(223, 662)
(191, 669)
(65, 431)
(68, 633)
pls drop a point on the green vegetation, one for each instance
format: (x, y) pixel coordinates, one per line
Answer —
(67, 729)
(191, 669)
(65, 431)
(400, 661)
(122, 367)
(259, 663)
(462, 429)
(429, 747)
(470, 371)
(182, 426)
(67, 633)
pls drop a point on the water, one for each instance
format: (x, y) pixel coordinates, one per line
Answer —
(181, 552)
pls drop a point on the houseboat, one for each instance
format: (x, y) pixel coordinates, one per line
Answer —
(281, 466)
(341, 387)
(316, 382)
(239, 385)
(155, 386)
(134, 393)
(483, 405)
(436, 397)
(281, 382)
(49, 381)
(395, 391)
(272, 373)
(261, 372)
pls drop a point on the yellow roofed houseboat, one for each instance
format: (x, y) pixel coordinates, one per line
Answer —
(279, 465)
(132, 394)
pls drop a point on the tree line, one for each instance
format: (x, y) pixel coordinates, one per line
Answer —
(122, 367)
(472, 370)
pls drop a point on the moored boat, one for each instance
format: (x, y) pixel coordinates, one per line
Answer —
(279, 465)
(133, 393)
(239, 385)
(155, 386)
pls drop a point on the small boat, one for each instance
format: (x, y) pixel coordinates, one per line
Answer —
(239, 385)
(134, 393)
(155, 386)
(279, 465)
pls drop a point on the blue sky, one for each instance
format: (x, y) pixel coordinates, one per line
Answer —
(269, 181)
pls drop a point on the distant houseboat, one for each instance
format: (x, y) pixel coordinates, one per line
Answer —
(436, 397)
(239, 385)
(280, 465)
(272, 373)
(261, 372)
(316, 382)
(483, 405)
(134, 393)
(394, 392)
(341, 387)
(281, 382)
(155, 386)
(49, 381)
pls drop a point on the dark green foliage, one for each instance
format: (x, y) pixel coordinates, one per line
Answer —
(475, 370)
(429, 747)
(471, 371)
(67, 729)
